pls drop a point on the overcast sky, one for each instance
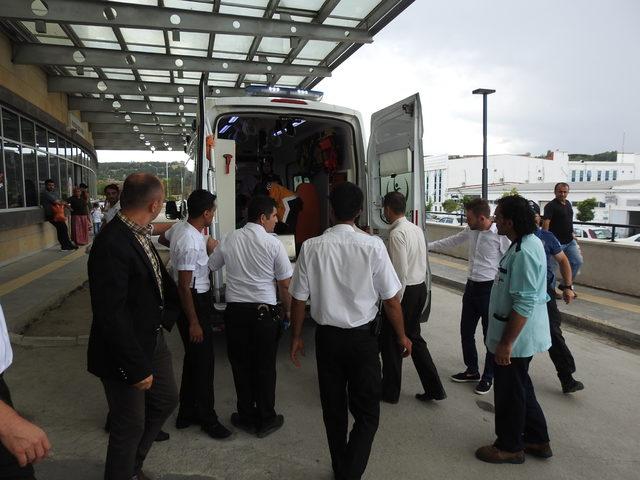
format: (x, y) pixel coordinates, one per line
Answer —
(566, 74)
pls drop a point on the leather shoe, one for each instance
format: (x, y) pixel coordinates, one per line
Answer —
(242, 423)
(427, 397)
(141, 476)
(184, 422)
(216, 430)
(540, 450)
(162, 436)
(491, 454)
(272, 426)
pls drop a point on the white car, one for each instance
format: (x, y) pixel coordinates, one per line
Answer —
(633, 240)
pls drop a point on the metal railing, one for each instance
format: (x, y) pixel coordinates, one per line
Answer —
(632, 229)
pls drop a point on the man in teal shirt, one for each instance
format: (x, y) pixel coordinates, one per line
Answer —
(518, 329)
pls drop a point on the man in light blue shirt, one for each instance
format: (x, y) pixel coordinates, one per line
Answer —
(518, 329)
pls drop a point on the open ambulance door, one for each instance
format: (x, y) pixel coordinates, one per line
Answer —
(395, 163)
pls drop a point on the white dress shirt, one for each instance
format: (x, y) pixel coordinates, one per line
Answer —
(188, 252)
(408, 253)
(254, 259)
(486, 248)
(6, 354)
(345, 272)
(111, 212)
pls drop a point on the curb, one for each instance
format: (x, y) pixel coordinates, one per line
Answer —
(25, 341)
(593, 325)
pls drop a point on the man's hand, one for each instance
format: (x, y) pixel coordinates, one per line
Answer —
(212, 244)
(196, 335)
(568, 295)
(406, 345)
(26, 441)
(297, 345)
(144, 384)
(503, 354)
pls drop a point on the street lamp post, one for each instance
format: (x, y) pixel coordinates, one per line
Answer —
(485, 174)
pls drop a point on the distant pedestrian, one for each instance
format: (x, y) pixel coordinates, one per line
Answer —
(558, 219)
(112, 202)
(518, 329)
(96, 218)
(21, 442)
(80, 223)
(485, 248)
(256, 265)
(133, 299)
(408, 253)
(345, 272)
(559, 352)
(54, 214)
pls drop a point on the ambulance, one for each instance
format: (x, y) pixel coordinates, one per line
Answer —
(289, 136)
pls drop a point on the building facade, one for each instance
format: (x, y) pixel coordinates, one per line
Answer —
(626, 167)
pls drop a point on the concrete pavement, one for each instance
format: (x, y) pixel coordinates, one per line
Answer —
(594, 432)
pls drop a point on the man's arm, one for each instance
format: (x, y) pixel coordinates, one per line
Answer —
(162, 240)
(393, 312)
(545, 224)
(186, 301)
(24, 440)
(285, 296)
(399, 260)
(161, 227)
(565, 270)
(297, 320)
(450, 242)
(515, 324)
(212, 243)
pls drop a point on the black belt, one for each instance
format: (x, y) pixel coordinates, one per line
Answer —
(251, 306)
(484, 282)
(366, 326)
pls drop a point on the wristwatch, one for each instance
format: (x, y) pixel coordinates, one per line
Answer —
(565, 287)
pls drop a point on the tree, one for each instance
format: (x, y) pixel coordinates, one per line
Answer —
(585, 209)
(512, 193)
(429, 206)
(450, 205)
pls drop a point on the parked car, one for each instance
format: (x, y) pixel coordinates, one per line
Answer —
(633, 240)
(594, 233)
(450, 220)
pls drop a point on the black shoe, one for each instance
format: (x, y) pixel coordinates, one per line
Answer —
(465, 377)
(184, 422)
(427, 397)
(243, 424)
(141, 476)
(392, 401)
(270, 427)
(483, 387)
(572, 385)
(216, 430)
(162, 436)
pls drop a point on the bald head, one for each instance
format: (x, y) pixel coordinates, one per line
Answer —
(140, 190)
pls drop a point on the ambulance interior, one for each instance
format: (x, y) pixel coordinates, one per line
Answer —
(306, 155)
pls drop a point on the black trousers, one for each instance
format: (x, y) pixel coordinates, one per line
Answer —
(519, 417)
(9, 468)
(62, 233)
(137, 416)
(197, 400)
(413, 301)
(559, 352)
(475, 305)
(349, 378)
(252, 345)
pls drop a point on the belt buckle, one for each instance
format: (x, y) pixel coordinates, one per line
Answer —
(263, 307)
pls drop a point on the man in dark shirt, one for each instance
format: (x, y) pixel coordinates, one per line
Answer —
(49, 198)
(558, 219)
(559, 352)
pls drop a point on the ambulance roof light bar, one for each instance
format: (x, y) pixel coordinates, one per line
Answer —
(283, 92)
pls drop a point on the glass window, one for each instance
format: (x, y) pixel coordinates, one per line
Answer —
(75, 154)
(615, 175)
(13, 166)
(581, 176)
(62, 147)
(3, 183)
(41, 138)
(588, 175)
(10, 125)
(43, 168)
(55, 173)
(599, 175)
(28, 132)
(30, 176)
(573, 175)
(53, 144)
(606, 175)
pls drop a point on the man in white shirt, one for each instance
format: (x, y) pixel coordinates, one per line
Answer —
(345, 272)
(408, 253)
(255, 262)
(112, 202)
(21, 442)
(189, 253)
(486, 248)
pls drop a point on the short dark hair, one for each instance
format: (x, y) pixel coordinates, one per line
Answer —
(49, 180)
(139, 190)
(396, 202)
(112, 186)
(260, 205)
(199, 201)
(346, 200)
(83, 185)
(516, 209)
(478, 207)
(560, 184)
(96, 205)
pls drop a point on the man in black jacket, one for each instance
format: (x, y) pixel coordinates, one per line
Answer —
(133, 298)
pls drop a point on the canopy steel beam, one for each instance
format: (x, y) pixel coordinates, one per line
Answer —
(151, 137)
(100, 128)
(136, 118)
(95, 105)
(40, 54)
(110, 14)
(140, 147)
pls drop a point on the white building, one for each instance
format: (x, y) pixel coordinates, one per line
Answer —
(626, 167)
